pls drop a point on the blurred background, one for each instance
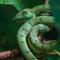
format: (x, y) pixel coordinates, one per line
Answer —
(9, 27)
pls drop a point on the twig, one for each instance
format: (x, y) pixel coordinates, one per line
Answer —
(9, 54)
(46, 2)
(16, 53)
(47, 54)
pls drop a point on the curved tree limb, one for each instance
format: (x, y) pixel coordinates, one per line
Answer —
(16, 53)
(46, 2)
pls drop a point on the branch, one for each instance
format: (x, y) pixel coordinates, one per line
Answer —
(47, 54)
(46, 2)
(17, 53)
(9, 54)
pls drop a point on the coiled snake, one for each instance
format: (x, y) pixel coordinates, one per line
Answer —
(27, 33)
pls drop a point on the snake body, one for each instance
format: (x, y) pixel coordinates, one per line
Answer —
(32, 12)
(39, 46)
(24, 31)
(32, 27)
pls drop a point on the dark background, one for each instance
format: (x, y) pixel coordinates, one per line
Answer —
(9, 27)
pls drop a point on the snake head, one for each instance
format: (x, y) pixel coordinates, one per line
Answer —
(24, 14)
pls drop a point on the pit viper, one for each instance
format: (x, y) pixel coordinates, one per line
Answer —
(27, 33)
(32, 12)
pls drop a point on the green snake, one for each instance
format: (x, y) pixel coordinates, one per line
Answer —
(31, 28)
(32, 12)
(39, 45)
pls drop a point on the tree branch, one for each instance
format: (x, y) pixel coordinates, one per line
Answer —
(16, 53)
(46, 2)
(9, 54)
(47, 54)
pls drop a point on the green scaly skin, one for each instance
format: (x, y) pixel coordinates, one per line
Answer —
(26, 28)
(35, 43)
(40, 8)
(24, 31)
(32, 12)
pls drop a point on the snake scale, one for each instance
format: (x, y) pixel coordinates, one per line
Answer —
(27, 33)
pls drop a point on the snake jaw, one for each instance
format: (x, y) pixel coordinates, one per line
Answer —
(24, 14)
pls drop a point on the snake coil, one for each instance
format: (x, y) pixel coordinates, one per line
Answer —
(31, 28)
